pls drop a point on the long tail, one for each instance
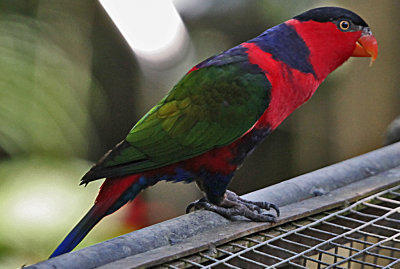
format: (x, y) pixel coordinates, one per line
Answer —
(113, 194)
(91, 218)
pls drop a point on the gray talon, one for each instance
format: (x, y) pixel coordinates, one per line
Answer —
(233, 205)
(196, 205)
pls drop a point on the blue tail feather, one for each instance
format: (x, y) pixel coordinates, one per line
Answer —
(78, 232)
(95, 214)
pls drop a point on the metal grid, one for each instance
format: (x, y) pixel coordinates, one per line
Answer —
(366, 234)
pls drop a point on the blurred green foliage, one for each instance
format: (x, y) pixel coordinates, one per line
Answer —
(45, 129)
(43, 110)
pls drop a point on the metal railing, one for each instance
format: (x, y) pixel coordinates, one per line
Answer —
(365, 234)
(205, 239)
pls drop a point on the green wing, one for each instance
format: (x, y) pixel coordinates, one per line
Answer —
(210, 107)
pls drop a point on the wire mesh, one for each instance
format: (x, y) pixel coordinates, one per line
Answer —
(365, 234)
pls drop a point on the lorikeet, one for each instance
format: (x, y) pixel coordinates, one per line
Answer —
(220, 110)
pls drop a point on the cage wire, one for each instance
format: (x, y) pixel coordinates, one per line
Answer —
(365, 234)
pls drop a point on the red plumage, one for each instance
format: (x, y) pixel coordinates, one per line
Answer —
(290, 61)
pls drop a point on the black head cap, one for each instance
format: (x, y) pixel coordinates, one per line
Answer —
(326, 14)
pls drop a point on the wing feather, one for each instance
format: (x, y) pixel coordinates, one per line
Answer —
(210, 107)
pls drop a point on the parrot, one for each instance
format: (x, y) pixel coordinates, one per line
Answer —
(220, 110)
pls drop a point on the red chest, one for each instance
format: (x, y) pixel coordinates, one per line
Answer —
(290, 88)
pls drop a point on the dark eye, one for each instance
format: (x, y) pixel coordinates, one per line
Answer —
(344, 25)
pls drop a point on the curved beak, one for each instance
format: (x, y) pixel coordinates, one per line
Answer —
(366, 46)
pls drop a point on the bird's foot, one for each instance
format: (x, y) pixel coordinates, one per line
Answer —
(233, 205)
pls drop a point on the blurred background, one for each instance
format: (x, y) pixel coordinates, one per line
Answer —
(76, 75)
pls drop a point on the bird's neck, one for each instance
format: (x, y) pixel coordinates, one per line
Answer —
(328, 47)
(290, 87)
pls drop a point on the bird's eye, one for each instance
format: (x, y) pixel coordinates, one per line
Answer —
(344, 25)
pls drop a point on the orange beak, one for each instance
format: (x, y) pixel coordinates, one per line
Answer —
(366, 46)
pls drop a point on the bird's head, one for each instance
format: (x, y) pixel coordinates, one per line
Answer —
(332, 35)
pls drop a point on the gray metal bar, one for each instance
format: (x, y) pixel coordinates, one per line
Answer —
(322, 220)
(177, 230)
(329, 178)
